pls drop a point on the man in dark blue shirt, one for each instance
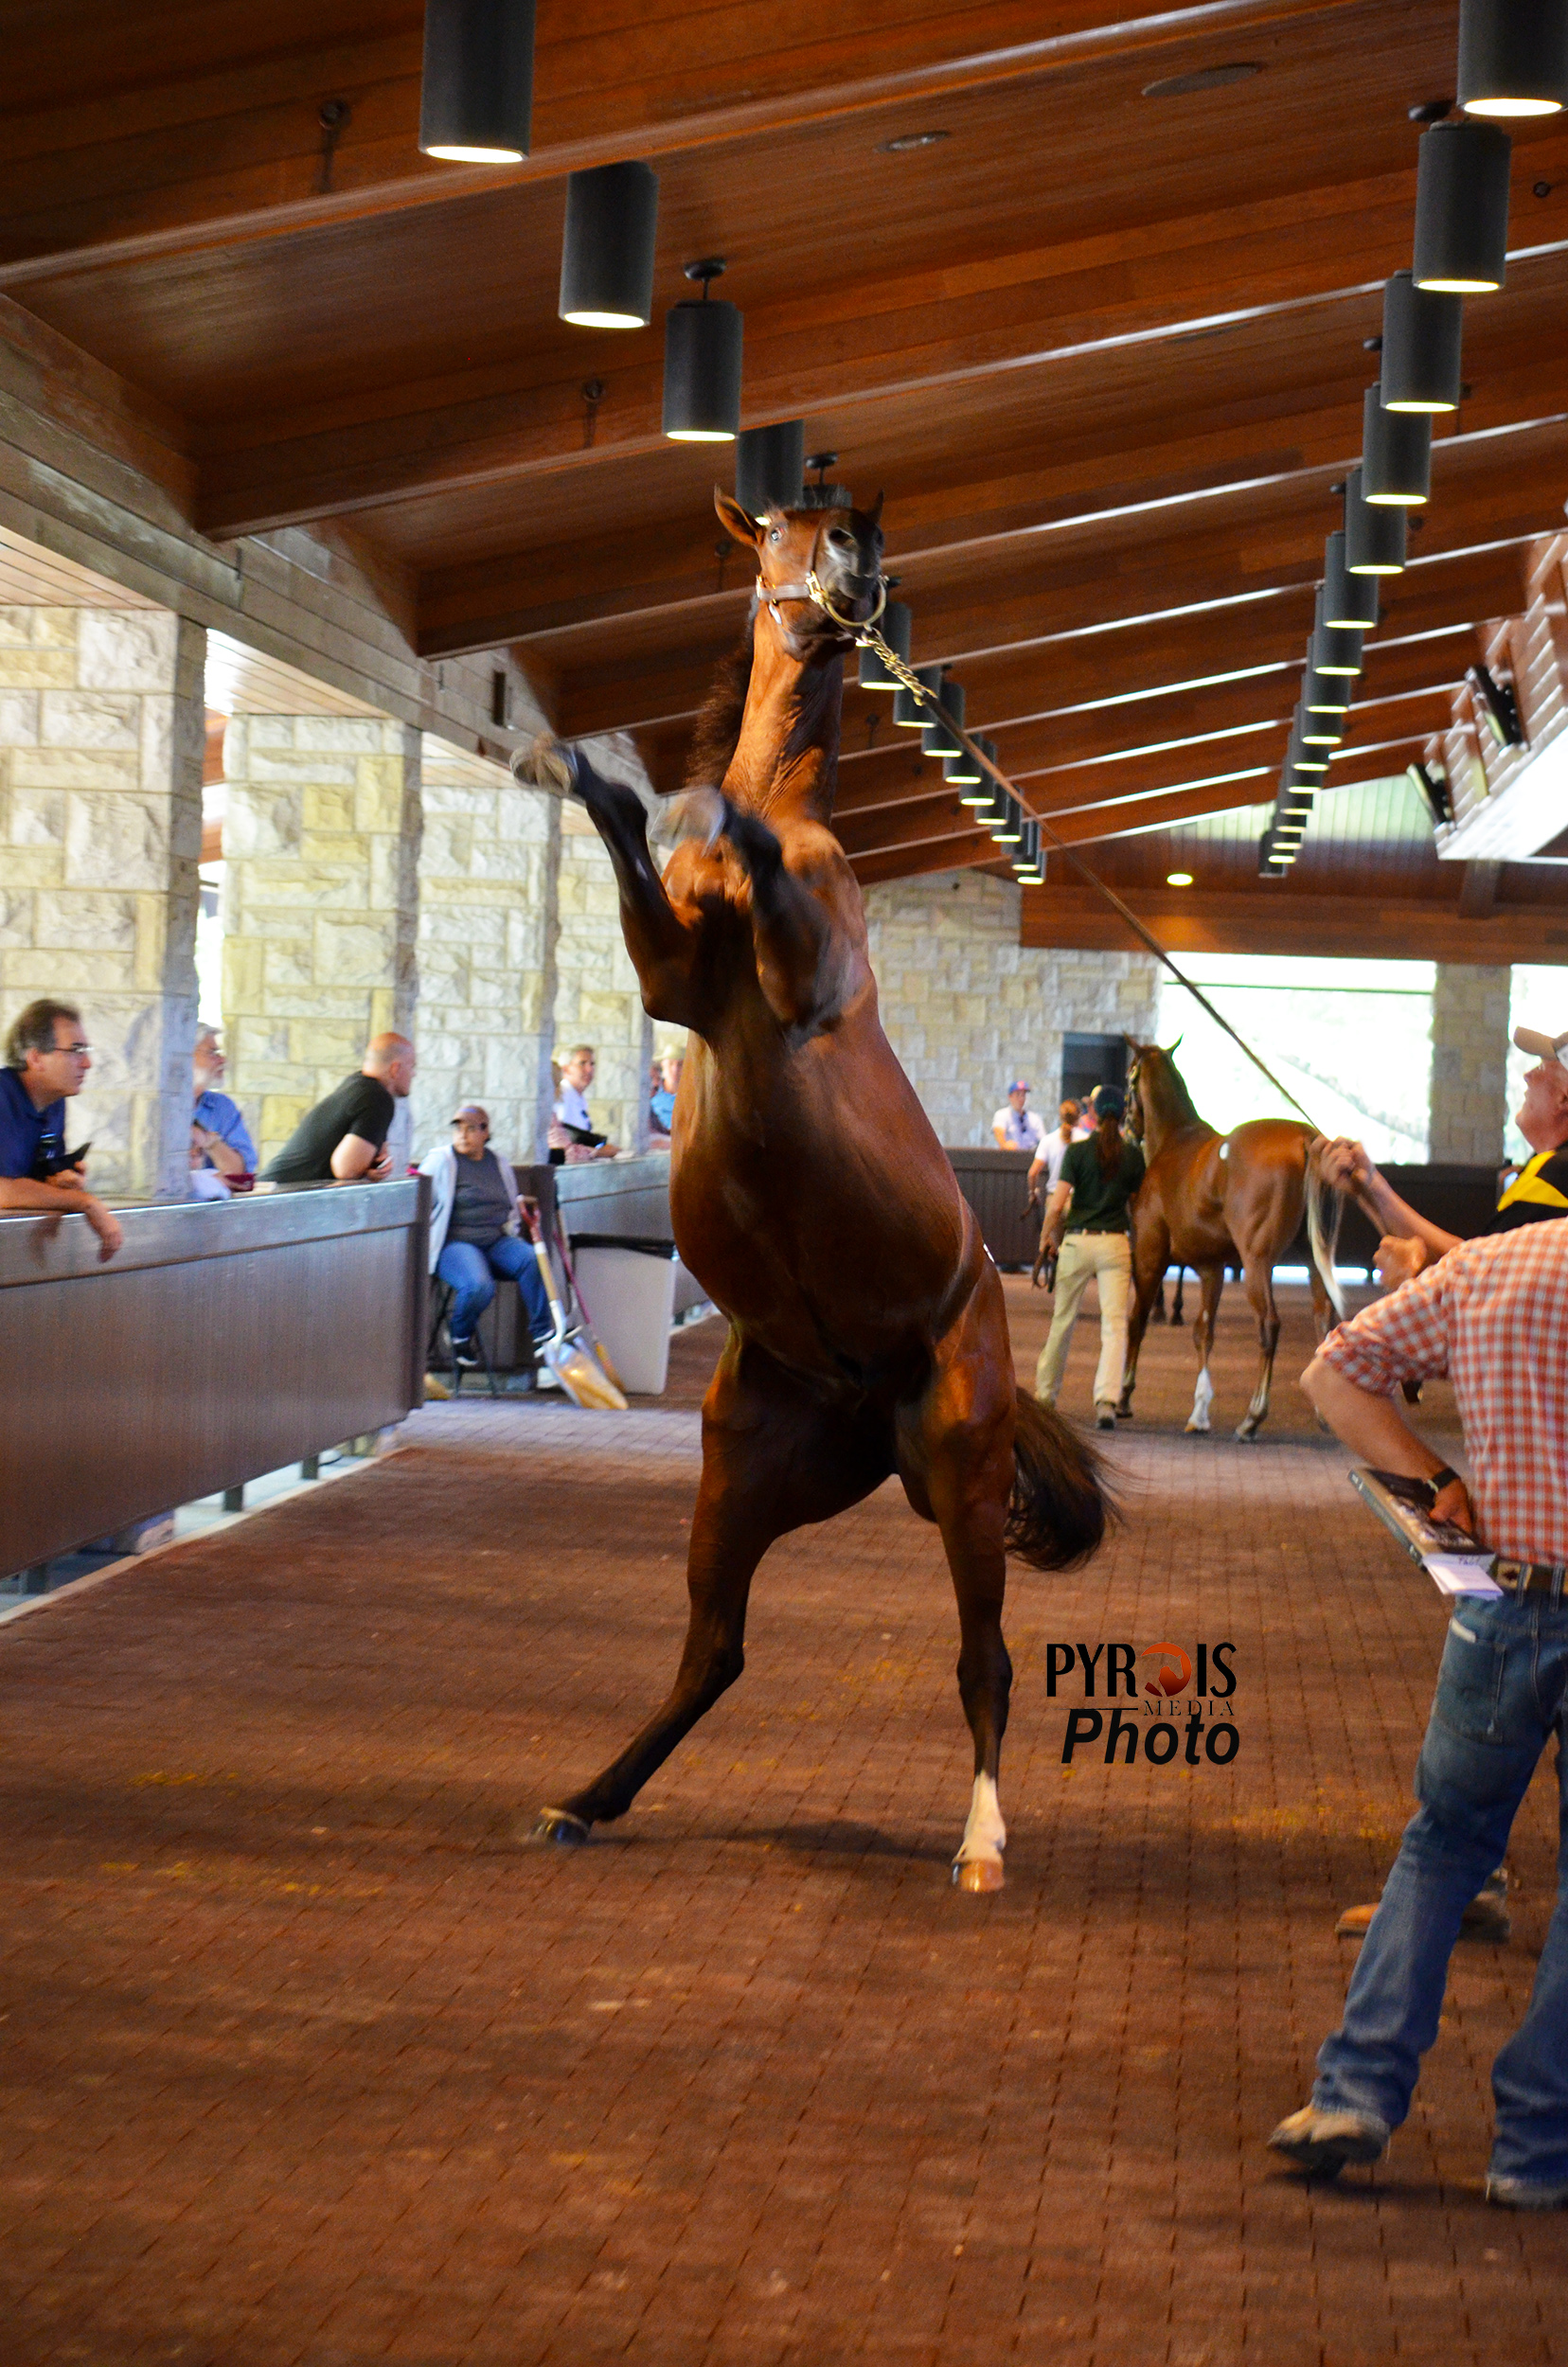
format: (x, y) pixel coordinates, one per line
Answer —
(46, 1061)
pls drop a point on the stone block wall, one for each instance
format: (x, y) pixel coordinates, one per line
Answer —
(487, 884)
(1469, 1049)
(100, 831)
(321, 849)
(597, 1000)
(967, 1007)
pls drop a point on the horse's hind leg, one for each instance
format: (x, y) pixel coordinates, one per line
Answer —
(954, 1446)
(1212, 1281)
(774, 1457)
(1257, 1274)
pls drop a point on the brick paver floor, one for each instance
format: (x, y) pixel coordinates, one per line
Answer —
(303, 2060)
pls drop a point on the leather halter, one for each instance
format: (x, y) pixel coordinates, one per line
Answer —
(770, 595)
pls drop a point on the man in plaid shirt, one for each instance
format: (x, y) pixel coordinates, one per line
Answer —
(1493, 1315)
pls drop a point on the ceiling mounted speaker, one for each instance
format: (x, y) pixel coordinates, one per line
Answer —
(1325, 694)
(701, 372)
(1374, 532)
(607, 247)
(1333, 648)
(1396, 453)
(894, 625)
(1423, 334)
(984, 789)
(938, 738)
(476, 92)
(912, 714)
(1348, 601)
(770, 467)
(1462, 208)
(1513, 57)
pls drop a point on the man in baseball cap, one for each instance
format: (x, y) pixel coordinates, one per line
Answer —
(1015, 1126)
(1539, 1190)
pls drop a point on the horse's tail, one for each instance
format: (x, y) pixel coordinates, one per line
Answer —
(1324, 1206)
(1061, 1503)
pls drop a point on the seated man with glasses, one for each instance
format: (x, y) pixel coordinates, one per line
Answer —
(47, 1062)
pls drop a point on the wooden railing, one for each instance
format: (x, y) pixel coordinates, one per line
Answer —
(224, 1339)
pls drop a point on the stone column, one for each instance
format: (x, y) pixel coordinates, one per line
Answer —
(597, 1000)
(487, 876)
(1470, 1050)
(321, 844)
(101, 832)
(966, 1008)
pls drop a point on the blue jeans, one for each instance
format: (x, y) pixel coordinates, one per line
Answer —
(1499, 1697)
(469, 1271)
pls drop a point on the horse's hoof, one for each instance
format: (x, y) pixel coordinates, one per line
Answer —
(1199, 1430)
(1247, 1433)
(978, 1874)
(555, 1829)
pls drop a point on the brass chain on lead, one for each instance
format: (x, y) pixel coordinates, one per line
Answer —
(866, 637)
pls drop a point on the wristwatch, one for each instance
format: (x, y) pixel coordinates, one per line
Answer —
(1445, 1478)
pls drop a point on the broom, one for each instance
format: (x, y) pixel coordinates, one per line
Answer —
(578, 1371)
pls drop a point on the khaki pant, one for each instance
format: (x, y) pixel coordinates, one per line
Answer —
(1107, 1259)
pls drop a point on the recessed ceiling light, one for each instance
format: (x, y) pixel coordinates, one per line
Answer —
(907, 141)
(1207, 78)
(1178, 878)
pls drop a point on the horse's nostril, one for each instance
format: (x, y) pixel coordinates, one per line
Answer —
(840, 541)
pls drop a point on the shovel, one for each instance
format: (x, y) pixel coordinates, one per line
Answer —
(578, 1371)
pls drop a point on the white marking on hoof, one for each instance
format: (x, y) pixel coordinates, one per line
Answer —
(1202, 1397)
(978, 1864)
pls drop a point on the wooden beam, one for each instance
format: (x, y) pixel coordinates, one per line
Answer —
(227, 147)
(879, 341)
(1276, 919)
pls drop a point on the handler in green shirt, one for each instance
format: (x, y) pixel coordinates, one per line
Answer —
(1086, 1221)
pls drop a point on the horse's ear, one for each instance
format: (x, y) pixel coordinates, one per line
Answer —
(874, 513)
(735, 519)
(1171, 1049)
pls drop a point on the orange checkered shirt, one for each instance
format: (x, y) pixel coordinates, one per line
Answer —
(1493, 1316)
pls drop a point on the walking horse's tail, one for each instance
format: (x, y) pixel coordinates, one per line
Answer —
(1061, 1503)
(1324, 1205)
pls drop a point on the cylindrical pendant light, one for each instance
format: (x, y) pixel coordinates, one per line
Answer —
(1422, 337)
(984, 789)
(1348, 601)
(992, 816)
(770, 470)
(1374, 534)
(1325, 694)
(607, 247)
(1011, 831)
(962, 772)
(938, 738)
(701, 372)
(1333, 648)
(1462, 208)
(1300, 763)
(1269, 863)
(894, 626)
(1025, 862)
(912, 714)
(1396, 453)
(1320, 729)
(476, 94)
(1513, 57)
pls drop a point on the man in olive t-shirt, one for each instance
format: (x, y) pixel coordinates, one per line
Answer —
(342, 1140)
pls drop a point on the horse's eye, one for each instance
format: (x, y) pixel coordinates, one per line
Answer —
(775, 536)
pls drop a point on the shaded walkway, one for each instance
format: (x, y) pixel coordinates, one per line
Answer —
(304, 2061)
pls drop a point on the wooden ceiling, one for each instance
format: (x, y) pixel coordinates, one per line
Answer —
(1102, 347)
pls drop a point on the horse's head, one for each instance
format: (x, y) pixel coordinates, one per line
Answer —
(839, 549)
(1153, 1081)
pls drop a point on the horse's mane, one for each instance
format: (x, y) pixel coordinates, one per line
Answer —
(1186, 1109)
(717, 732)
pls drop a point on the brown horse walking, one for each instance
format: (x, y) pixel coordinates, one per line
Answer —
(867, 1330)
(1212, 1200)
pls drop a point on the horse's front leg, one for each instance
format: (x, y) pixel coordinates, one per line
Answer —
(1150, 1252)
(661, 944)
(801, 963)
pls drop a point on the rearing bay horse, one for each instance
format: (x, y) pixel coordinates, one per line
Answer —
(867, 1329)
(1212, 1200)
